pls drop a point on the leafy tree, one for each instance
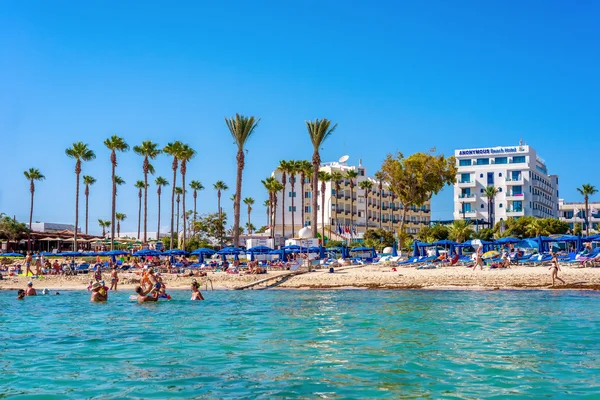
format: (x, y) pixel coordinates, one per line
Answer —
(79, 151)
(484, 234)
(433, 233)
(11, 230)
(114, 144)
(210, 226)
(195, 243)
(318, 131)
(586, 191)
(460, 231)
(416, 178)
(241, 129)
(378, 238)
(335, 243)
(87, 181)
(577, 230)
(149, 150)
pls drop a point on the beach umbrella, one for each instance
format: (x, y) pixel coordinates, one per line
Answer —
(321, 252)
(394, 250)
(236, 257)
(507, 240)
(224, 257)
(259, 250)
(115, 253)
(579, 244)
(70, 254)
(374, 254)
(201, 258)
(230, 251)
(176, 252)
(12, 255)
(540, 245)
(416, 248)
(490, 254)
(203, 251)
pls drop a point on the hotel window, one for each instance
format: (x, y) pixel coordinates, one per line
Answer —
(291, 194)
(518, 159)
(306, 209)
(482, 206)
(499, 190)
(465, 178)
(517, 190)
(467, 207)
(501, 160)
(517, 206)
(500, 174)
(483, 161)
(290, 208)
(464, 163)
(500, 205)
(490, 178)
(307, 195)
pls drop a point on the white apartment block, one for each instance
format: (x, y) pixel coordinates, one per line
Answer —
(348, 208)
(574, 213)
(521, 177)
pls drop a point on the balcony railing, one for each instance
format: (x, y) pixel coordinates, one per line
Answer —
(466, 196)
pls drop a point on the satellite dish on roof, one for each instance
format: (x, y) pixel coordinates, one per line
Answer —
(343, 159)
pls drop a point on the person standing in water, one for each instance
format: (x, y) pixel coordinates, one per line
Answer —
(196, 295)
(554, 267)
(30, 291)
(142, 295)
(98, 293)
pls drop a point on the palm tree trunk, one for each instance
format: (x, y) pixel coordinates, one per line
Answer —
(87, 195)
(220, 224)
(178, 222)
(173, 203)
(302, 177)
(159, 191)
(249, 220)
(323, 187)
(316, 162)
(114, 202)
(76, 212)
(283, 180)
(32, 190)
(194, 224)
(366, 210)
(139, 214)
(587, 217)
(238, 197)
(119, 228)
(293, 213)
(380, 210)
(145, 203)
(183, 206)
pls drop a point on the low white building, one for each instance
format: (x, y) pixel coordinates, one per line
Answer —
(52, 227)
(134, 235)
(575, 212)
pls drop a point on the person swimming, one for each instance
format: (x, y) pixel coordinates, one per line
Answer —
(21, 294)
(196, 295)
(142, 295)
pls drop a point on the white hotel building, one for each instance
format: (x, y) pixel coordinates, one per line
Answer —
(377, 211)
(524, 186)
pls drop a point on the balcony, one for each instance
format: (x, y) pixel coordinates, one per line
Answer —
(468, 213)
(466, 198)
(514, 181)
(515, 196)
(512, 212)
(462, 184)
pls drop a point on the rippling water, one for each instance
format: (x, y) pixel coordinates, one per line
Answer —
(329, 344)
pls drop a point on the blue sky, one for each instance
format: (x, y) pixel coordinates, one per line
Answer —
(395, 76)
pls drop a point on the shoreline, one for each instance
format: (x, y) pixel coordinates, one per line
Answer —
(367, 277)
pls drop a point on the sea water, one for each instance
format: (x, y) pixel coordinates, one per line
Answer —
(305, 344)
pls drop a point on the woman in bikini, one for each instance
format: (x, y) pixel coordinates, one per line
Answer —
(28, 260)
(479, 258)
(196, 295)
(114, 279)
(554, 267)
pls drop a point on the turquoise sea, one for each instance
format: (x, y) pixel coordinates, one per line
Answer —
(303, 344)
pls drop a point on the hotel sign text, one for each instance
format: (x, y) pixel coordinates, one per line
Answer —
(495, 150)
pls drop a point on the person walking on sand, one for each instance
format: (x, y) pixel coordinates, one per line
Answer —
(478, 258)
(554, 267)
(28, 260)
(114, 279)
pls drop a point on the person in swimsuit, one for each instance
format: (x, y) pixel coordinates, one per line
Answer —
(554, 267)
(196, 295)
(21, 294)
(38, 267)
(30, 291)
(479, 258)
(114, 279)
(143, 295)
(28, 260)
(98, 274)
(99, 293)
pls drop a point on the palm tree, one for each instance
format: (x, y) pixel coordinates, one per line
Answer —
(220, 186)
(250, 228)
(336, 178)
(273, 187)
(140, 185)
(249, 202)
(160, 182)
(587, 190)
(79, 151)
(33, 175)
(490, 192)
(351, 175)
(103, 225)
(267, 205)
(294, 169)
(305, 168)
(118, 182)
(114, 144)
(120, 217)
(185, 155)
(196, 186)
(318, 131)
(379, 177)
(149, 151)
(285, 167)
(460, 230)
(324, 177)
(241, 128)
(174, 150)
(366, 185)
(87, 181)
(178, 193)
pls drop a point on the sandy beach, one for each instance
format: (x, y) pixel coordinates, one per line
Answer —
(364, 277)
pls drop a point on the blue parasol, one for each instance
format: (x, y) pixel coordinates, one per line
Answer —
(12, 255)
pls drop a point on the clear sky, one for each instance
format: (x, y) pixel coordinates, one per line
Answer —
(395, 76)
